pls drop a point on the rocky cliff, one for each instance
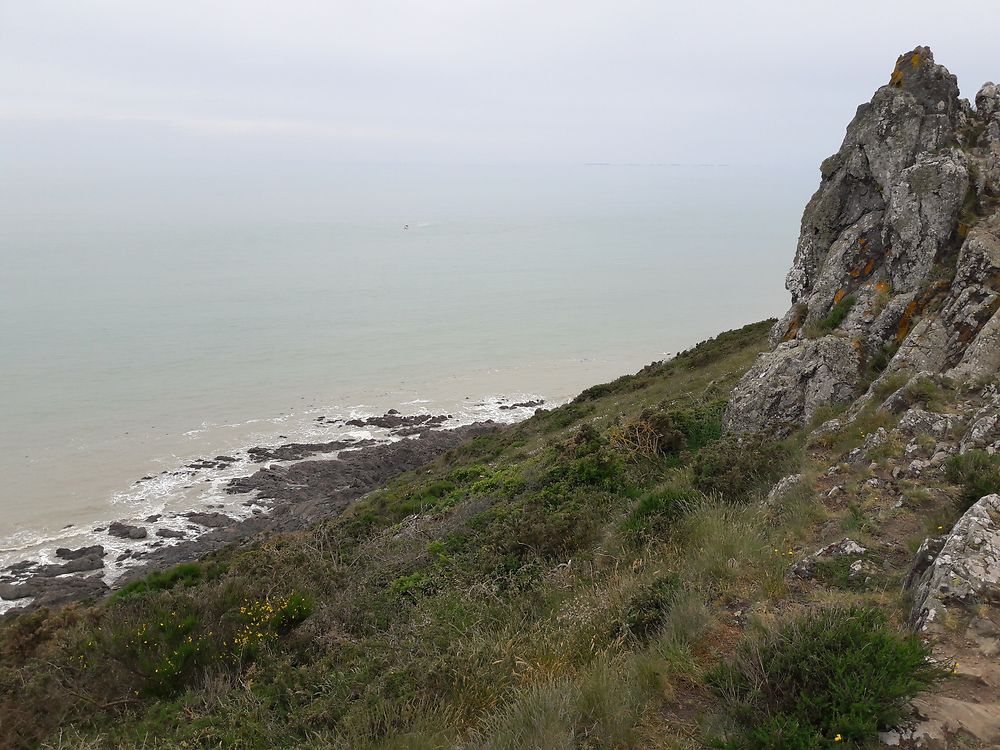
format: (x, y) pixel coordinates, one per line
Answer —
(897, 266)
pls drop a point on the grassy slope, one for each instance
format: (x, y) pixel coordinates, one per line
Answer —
(568, 582)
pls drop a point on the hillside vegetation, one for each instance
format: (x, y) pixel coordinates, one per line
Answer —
(607, 574)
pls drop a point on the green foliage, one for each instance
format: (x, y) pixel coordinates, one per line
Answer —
(737, 466)
(836, 572)
(700, 425)
(977, 472)
(833, 318)
(165, 650)
(648, 608)
(724, 345)
(185, 574)
(837, 675)
(658, 509)
(527, 605)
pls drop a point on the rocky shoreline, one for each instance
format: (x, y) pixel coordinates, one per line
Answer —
(281, 497)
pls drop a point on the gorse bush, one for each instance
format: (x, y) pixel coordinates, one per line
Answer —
(738, 465)
(835, 676)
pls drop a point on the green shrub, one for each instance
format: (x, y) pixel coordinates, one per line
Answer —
(186, 574)
(738, 465)
(585, 461)
(977, 472)
(648, 608)
(658, 509)
(165, 649)
(700, 425)
(835, 676)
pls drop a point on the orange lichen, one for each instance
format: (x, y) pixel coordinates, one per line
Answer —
(839, 296)
(862, 241)
(906, 321)
(856, 343)
(854, 273)
(915, 60)
(793, 330)
(963, 229)
(896, 79)
(869, 267)
(882, 286)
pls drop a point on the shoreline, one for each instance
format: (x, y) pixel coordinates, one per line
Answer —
(280, 488)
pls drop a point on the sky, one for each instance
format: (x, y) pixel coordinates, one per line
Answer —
(87, 84)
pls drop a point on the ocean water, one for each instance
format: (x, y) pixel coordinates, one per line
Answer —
(150, 321)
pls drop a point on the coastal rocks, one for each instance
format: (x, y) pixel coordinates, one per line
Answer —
(923, 211)
(966, 572)
(786, 386)
(47, 592)
(219, 462)
(74, 554)
(522, 405)
(988, 107)
(210, 520)
(310, 490)
(170, 534)
(77, 565)
(392, 420)
(299, 451)
(963, 340)
(865, 200)
(126, 531)
(956, 585)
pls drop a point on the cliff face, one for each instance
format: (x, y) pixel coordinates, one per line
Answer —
(898, 258)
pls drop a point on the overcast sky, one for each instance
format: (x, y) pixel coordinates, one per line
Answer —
(771, 81)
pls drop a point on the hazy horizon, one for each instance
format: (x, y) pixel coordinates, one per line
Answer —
(96, 90)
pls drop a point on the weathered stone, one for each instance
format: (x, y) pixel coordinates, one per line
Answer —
(785, 387)
(782, 488)
(72, 554)
(967, 570)
(878, 239)
(126, 531)
(211, 520)
(806, 567)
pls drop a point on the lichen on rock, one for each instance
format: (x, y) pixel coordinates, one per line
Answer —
(905, 224)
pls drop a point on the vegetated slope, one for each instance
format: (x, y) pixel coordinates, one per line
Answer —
(572, 581)
(623, 572)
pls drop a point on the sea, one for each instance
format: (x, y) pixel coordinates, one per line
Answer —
(146, 325)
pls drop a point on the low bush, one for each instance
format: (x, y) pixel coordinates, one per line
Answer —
(647, 609)
(186, 574)
(831, 677)
(978, 474)
(738, 465)
(657, 510)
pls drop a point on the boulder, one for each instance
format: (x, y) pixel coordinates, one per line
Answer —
(966, 572)
(72, 554)
(126, 531)
(786, 386)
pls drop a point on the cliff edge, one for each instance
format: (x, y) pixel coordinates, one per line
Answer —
(897, 267)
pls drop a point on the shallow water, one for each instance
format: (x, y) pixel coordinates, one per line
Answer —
(146, 324)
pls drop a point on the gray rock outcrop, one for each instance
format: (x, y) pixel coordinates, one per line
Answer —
(966, 572)
(898, 259)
